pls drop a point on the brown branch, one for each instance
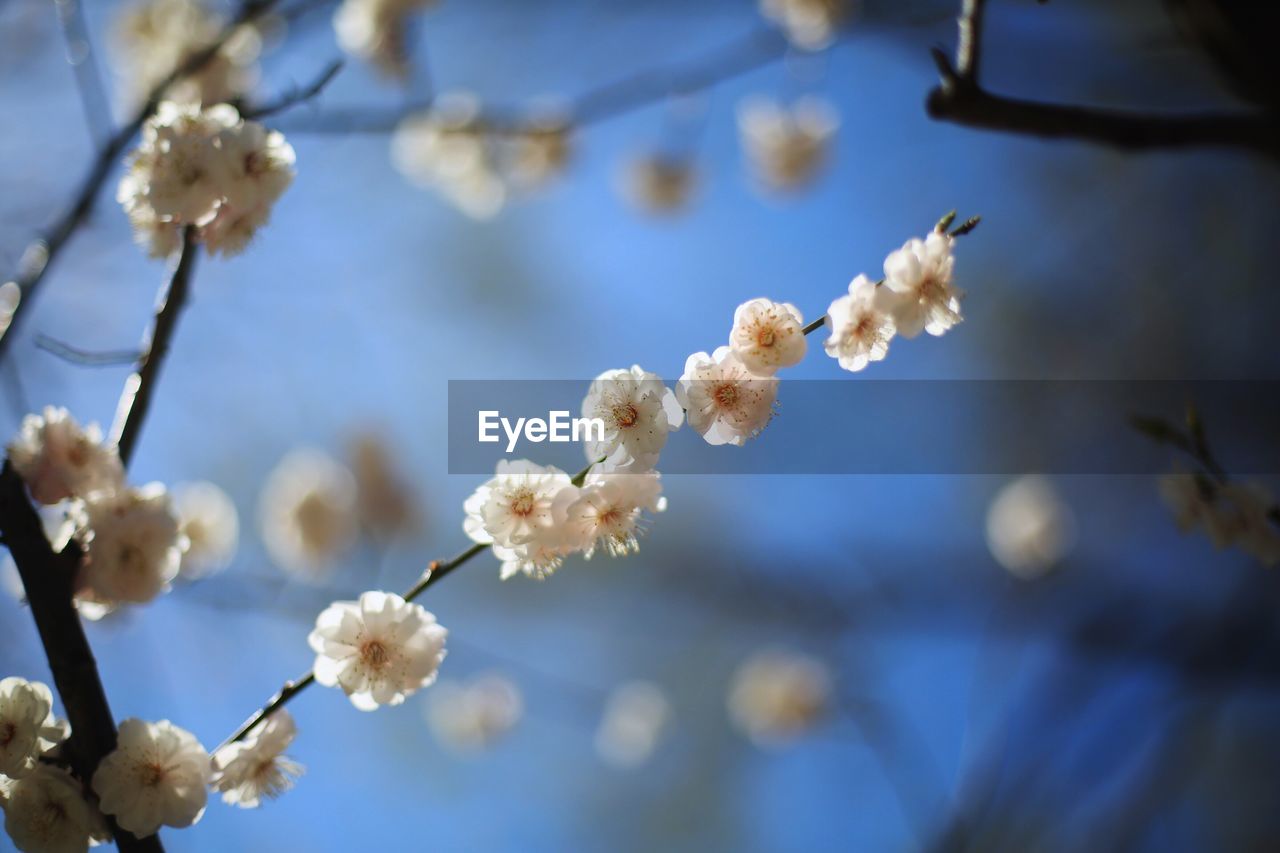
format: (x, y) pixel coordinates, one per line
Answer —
(960, 99)
(42, 251)
(135, 401)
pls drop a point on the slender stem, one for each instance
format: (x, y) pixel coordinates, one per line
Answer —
(296, 96)
(93, 96)
(969, 51)
(17, 292)
(139, 388)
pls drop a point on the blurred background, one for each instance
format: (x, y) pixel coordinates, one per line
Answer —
(1114, 690)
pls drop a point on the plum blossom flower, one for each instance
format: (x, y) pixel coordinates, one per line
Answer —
(256, 768)
(472, 715)
(206, 168)
(638, 411)
(767, 335)
(28, 728)
(377, 31)
(518, 505)
(156, 777)
(776, 696)
(1029, 528)
(1232, 514)
(919, 277)
(659, 183)
(538, 559)
(46, 812)
(808, 24)
(635, 717)
(860, 325)
(725, 402)
(308, 512)
(378, 649)
(787, 145)
(386, 505)
(609, 508)
(207, 518)
(133, 546)
(59, 460)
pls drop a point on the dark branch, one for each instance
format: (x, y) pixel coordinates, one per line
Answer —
(86, 358)
(295, 96)
(139, 388)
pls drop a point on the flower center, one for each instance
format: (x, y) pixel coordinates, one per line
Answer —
(522, 503)
(931, 290)
(8, 732)
(625, 415)
(150, 774)
(374, 654)
(725, 395)
(766, 337)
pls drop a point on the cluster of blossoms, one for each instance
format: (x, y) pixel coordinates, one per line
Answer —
(377, 31)
(808, 24)
(156, 36)
(449, 149)
(473, 715)
(206, 168)
(1241, 515)
(130, 535)
(786, 145)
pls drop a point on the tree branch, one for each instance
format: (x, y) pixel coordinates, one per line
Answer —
(295, 96)
(959, 98)
(93, 96)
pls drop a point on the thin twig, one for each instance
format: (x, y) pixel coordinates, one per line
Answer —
(86, 358)
(296, 96)
(960, 99)
(139, 388)
(93, 95)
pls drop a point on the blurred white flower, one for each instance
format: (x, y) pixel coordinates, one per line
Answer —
(256, 768)
(808, 24)
(608, 511)
(387, 506)
(659, 184)
(154, 37)
(28, 728)
(1253, 503)
(725, 402)
(445, 150)
(59, 460)
(307, 512)
(518, 506)
(638, 411)
(207, 518)
(206, 168)
(132, 545)
(786, 145)
(377, 31)
(1029, 528)
(473, 715)
(636, 715)
(46, 812)
(1231, 514)
(860, 325)
(777, 696)
(378, 649)
(156, 777)
(919, 276)
(767, 335)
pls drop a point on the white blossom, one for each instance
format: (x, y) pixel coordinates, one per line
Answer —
(860, 324)
(377, 31)
(1232, 514)
(472, 715)
(724, 401)
(518, 506)
(386, 504)
(608, 511)
(132, 545)
(58, 459)
(156, 777)
(637, 410)
(1029, 527)
(308, 512)
(635, 717)
(255, 768)
(153, 37)
(28, 728)
(206, 168)
(787, 145)
(538, 559)
(919, 276)
(46, 812)
(207, 518)
(378, 649)
(808, 24)
(776, 696)
(767, 335)
(659, 184)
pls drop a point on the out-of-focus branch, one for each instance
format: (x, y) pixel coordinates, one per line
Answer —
(961, 99)
(17, 292)
(93, 95)
(604, 102)
(295, 96)
(139, 388)
(83, 357)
